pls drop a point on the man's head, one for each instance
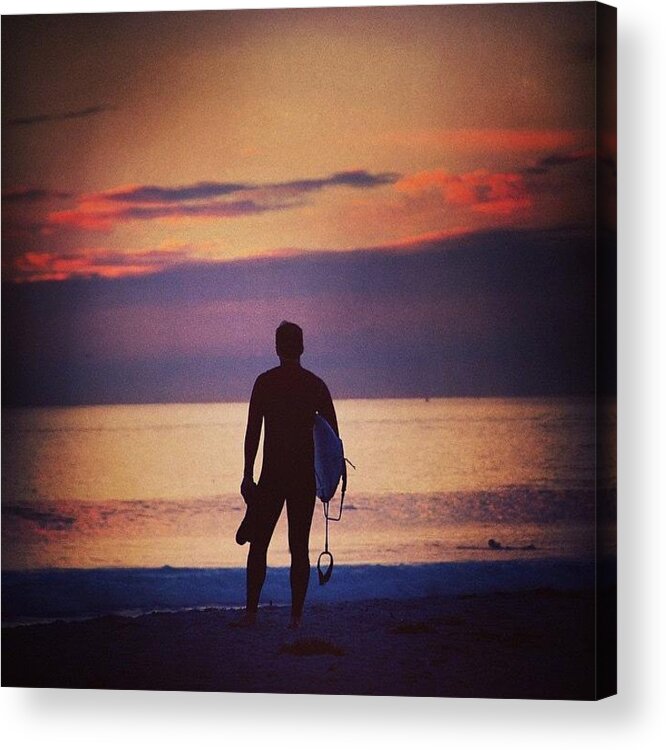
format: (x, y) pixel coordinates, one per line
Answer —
(289, 340)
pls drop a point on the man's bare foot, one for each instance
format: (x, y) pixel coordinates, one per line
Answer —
(248, 620)
(294, 623)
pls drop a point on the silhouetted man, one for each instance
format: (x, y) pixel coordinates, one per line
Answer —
(286, 399)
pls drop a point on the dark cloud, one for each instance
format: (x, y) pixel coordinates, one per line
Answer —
(33, 195)
(13, 228)
(209, 209)
(45, 519)
(498, 313)
(547, 163)
(362, 179)
(148, 202)
(560, 160)
(207, 190)
(157, 194)
(104, 216)
(59, 117)
(356, 179)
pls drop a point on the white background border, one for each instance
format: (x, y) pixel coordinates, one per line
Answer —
(99, 719)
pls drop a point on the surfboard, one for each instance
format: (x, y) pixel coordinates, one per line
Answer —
(329, 459)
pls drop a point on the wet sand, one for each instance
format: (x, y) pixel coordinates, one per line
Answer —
(537, 644)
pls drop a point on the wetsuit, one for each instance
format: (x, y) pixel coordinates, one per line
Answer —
(287, 399)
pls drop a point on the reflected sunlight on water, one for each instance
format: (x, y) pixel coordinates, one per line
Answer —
(152, 485)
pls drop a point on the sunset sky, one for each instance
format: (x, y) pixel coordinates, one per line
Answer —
(415, 186)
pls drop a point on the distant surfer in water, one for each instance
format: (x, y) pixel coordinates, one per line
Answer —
(286, 400)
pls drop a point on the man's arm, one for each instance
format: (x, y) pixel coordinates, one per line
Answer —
(252, 432)
(327, 410)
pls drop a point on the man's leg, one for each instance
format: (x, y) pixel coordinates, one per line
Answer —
(268, 513)
(300, 507)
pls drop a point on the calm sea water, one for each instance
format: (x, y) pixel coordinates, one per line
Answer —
(156, 485)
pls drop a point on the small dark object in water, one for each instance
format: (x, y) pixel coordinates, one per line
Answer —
(498, 545)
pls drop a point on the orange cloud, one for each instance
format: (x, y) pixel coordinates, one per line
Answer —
(100, 262)
(93, 215)
(101, 215)
(205, 200)
(497, 139)
(495, 193)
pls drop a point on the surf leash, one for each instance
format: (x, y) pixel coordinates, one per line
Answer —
(326, 572)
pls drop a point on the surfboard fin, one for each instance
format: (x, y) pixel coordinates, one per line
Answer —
(326, 572)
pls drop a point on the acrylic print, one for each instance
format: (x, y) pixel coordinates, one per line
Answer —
(308, 351)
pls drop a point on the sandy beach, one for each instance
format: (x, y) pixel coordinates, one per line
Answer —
(536, 644)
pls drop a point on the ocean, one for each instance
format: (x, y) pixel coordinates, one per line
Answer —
(134, 500)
